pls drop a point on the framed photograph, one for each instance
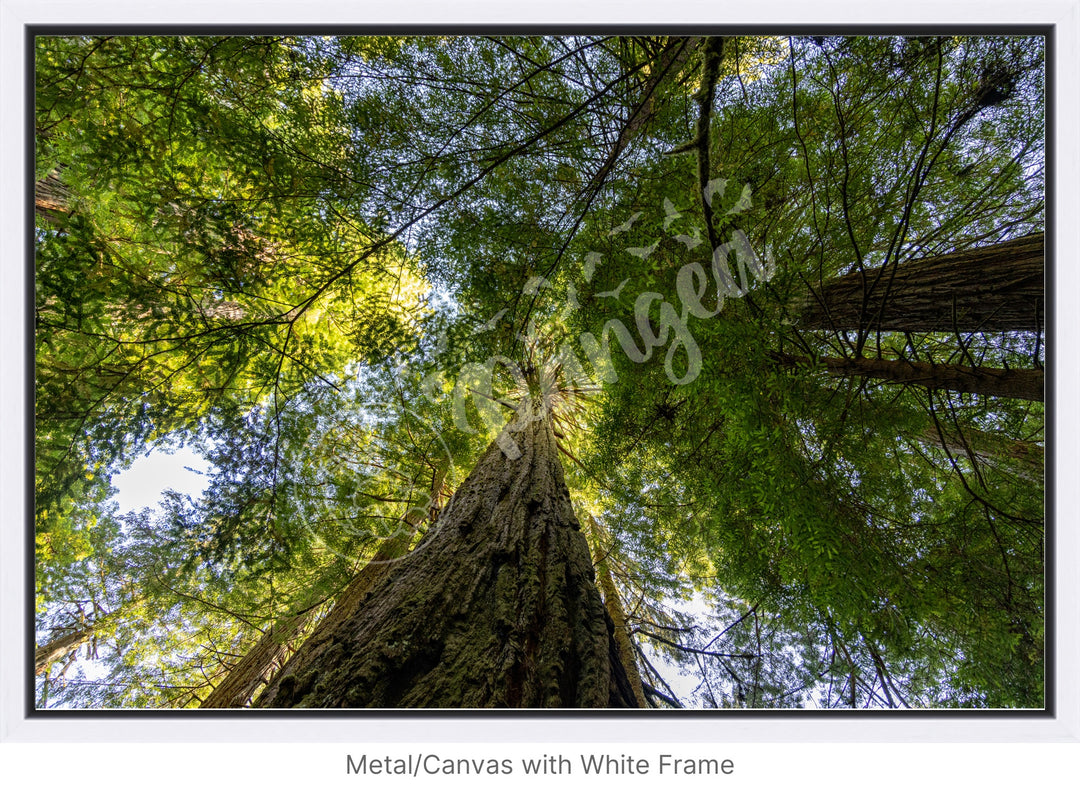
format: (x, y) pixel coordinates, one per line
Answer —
(693, 377)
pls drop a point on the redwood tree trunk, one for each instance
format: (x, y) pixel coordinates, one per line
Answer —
(369, 578)
(322, 638)
(53, 651)
(51, 197)
(495, 608)
(1018, 457)
(236, 688)
(1022, 383)
(993, 288)
(622, 634)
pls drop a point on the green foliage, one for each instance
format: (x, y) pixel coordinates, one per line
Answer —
(286, 252)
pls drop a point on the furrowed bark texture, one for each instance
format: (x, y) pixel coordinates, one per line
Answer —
(53, 651)
(322, 638)
(993, 289)
(495, 608)
(51, 197)
(1021, 383)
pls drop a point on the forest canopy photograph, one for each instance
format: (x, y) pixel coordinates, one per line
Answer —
(586, 371)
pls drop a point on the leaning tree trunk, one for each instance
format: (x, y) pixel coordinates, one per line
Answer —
(1021, 383)
(613, 603)
(51, 197)
(495, 608)
(996, 288)
(49, 653)
(362, 584)
(236, 688)
(1018, 457)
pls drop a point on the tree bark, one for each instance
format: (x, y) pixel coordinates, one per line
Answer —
(369, 578)
(994, 288)
(1021, 383)
(1017, 457)
(237, 688)
(53, 651)
(495, 608)
(347, 605)
(51, 197)
(614, 606)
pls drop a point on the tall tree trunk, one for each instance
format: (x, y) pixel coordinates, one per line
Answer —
(370, 577)
(51, 197)
(496, 608)
(613, 604)
(322, 638)
(49, 653)
(992, 288)
(1021, 383)
(1018, 457)
(236, 688)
